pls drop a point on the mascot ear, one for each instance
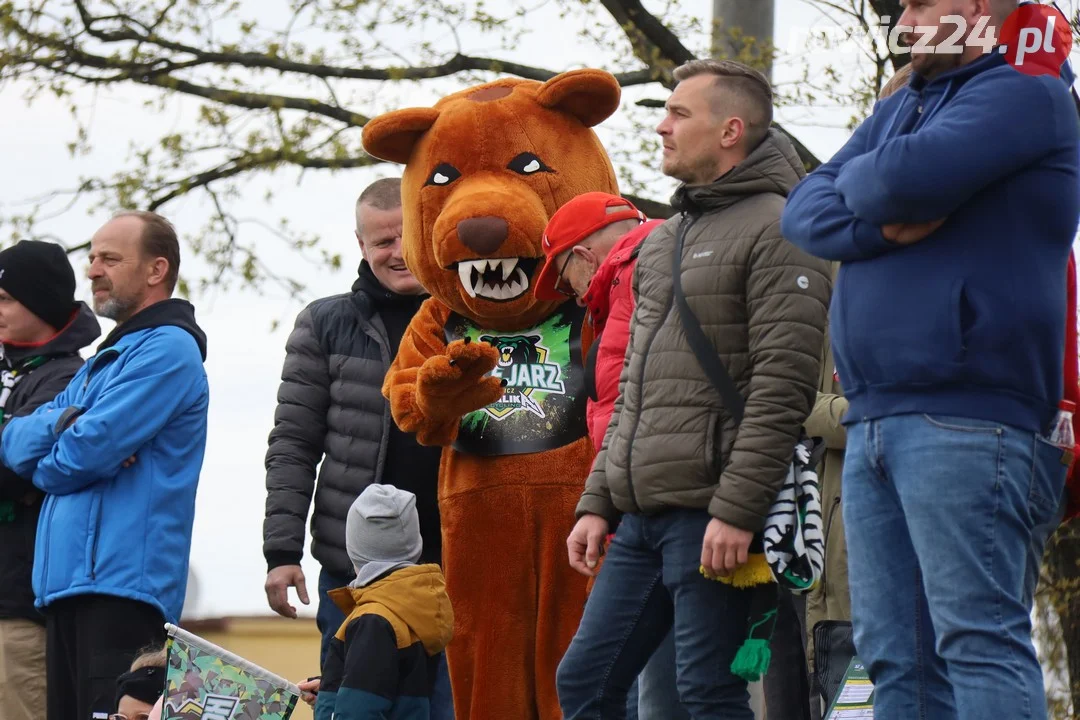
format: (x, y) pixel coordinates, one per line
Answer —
(589, 95)
(392, 136)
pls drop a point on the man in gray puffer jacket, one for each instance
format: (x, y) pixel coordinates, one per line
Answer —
(688, 488)
(331, 408)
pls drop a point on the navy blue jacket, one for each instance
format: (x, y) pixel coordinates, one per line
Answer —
(107, 529)
(969, 321)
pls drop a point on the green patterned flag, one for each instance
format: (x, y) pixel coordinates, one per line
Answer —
(206, 682)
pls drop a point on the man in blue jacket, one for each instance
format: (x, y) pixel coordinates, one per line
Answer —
(118, 454)
(952, 210)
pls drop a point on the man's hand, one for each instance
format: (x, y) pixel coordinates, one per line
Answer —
(910, 233)
(129, 462)
(309, 689)
(586, 543)
(278, 582)
(725, 548)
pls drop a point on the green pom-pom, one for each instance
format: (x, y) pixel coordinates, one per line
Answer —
(752, 660)
(7, 511)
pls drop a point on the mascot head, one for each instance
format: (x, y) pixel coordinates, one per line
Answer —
(484, 170)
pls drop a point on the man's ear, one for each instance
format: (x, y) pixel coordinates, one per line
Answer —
(159, 270)
(360, 242)
(589, 95)
(393, 135)
(732, 132)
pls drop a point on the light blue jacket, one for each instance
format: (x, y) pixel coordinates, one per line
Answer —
(104, 528)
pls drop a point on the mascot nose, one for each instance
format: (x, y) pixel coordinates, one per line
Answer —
(483, 235)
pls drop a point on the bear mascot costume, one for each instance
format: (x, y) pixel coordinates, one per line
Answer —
(495, 376)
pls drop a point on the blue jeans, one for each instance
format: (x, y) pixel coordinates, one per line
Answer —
(658, 693)
(328, 619)
(650, 584)
(940, 514)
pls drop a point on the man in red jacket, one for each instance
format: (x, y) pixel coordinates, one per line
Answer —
(590, 246)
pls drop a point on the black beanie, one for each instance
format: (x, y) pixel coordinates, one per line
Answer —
(145, 684)
(39, 275)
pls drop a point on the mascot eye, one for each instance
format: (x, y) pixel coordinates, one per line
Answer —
(528, 164)
(444, 174)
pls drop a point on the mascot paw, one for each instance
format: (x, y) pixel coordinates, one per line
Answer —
(454, 384)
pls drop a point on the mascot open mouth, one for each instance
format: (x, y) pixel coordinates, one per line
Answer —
(498, 279)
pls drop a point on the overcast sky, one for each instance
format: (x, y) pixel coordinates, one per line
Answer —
(245, 353)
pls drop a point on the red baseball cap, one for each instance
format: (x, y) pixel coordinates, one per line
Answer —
(572, 223)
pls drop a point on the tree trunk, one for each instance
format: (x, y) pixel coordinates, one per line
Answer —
(1063, 569)
(743, 30)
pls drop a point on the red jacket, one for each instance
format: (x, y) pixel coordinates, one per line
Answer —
(610, 301)
(1072, 383)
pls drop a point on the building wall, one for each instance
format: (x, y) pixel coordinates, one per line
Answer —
(289, 648)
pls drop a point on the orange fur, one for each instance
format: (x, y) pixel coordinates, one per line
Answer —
(517, 603)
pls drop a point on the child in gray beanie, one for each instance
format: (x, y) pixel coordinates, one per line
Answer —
(382, 533)
(383, 659)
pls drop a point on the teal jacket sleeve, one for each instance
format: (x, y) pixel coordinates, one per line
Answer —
(160, 377)
(817, 219)
(996, 125)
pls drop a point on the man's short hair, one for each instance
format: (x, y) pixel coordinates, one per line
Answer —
(159, 240)
(745, 92)
(899, 79)
(383, 194)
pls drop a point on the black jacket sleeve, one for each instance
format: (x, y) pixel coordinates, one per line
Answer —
(36, 389)
(296, 443)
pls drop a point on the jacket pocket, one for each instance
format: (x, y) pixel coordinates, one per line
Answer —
(712, 447)
(902, 333)
(40, 574)
(1047, 489)
(93, 534)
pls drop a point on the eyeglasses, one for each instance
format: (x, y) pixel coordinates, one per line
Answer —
(560, 282)
(136, 716)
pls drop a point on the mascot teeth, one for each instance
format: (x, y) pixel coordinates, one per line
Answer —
(494, 279)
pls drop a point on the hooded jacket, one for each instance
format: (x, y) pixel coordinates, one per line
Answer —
(106, 529)
(970, 321)
(610, 300)
(39, 385)
(331, 409)
(762, 303)
(381, 663)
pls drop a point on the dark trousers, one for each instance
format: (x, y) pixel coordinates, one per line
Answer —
(787, 683)
(90, 641)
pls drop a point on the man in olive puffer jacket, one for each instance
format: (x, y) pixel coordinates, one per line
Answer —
(686, 487)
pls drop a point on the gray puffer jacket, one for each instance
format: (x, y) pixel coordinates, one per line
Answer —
(763, 304)
(330, 408)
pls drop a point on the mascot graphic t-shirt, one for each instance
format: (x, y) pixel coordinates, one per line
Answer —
(543, 404)
(494, 375)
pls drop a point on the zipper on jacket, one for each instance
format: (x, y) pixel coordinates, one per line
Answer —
(97, 536)
(48, 541)
(828, 529)
(684, 228)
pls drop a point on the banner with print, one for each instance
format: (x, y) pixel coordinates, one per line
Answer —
(206, 682)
